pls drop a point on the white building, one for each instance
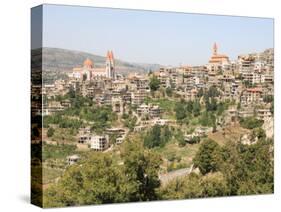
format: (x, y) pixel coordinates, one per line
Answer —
(264, 114)
(99, 143)
(72, 159)
(153, 111)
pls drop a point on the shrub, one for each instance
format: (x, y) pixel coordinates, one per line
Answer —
(50, 132)
(208, 157)
(250, 122)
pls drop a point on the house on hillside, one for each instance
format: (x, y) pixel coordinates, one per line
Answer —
(72, 159)
(99, 143)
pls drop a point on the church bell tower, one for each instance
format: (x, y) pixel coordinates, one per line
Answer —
(110, 66)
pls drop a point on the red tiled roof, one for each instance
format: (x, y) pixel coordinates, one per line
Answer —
(254, 90)
(88, 63)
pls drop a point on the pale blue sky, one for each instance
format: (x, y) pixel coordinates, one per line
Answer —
(153, 37)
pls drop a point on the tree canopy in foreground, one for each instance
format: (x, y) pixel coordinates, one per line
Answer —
(99, 179)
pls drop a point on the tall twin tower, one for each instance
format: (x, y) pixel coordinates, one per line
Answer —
(110, 66)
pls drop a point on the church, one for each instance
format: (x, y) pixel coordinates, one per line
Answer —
(217, 60)
(88, 71)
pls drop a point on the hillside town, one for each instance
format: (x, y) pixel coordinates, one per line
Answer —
(248, 82)
(96, 109)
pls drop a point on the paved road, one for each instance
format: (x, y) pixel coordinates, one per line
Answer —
(165, 178)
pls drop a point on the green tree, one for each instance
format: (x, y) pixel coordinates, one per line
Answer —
(130, 122)
(208, 157)
(213, 104)
(250, 122)
(169, 91)
(268, 98)
(213, 92)
(97, 179)
(154, 83)
(200, 93)
(180, 111)
(71, 92)
(243, 170)
(50, 132)
(259, 133)
(196, 108)
(180, 139)
(195, 186)
(84, 77)
(207, 119)
(153, 137)
(158, 136)
(181, 188)
(141, 168)
(272, 108)
(248, 169)
(194, 140)
(189, 107)
(214, 185)
(166, 134)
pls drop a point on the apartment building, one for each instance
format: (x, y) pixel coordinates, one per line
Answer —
(99, 143)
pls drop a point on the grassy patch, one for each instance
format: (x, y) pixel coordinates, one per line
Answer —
(50, 174)
(166, 105)
(229, 134)
(57, 151)
(65, 135)
(185, 153)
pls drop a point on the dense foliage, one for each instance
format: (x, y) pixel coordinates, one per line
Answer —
(82, 110)
(250, 122)
(207, 119)
(61, 151)
(248, 169)
(185, 110)
(268, 98)
(207, 158)
(50, 132)
(234, 169)
(169, 91)
(62, 121)
(195, 186)
(129, 121)
(99, 179)
(154, 83)
(157, 137)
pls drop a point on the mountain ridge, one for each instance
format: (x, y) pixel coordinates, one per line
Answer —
(58, 59)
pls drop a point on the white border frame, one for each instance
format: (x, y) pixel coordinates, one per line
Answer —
(15, 82)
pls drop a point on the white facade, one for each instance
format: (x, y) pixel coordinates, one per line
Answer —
(99, 143)
(110, 66)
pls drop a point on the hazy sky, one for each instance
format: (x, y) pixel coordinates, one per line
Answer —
(153, 37)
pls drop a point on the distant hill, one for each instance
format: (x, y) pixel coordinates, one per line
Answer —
(55, 59)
